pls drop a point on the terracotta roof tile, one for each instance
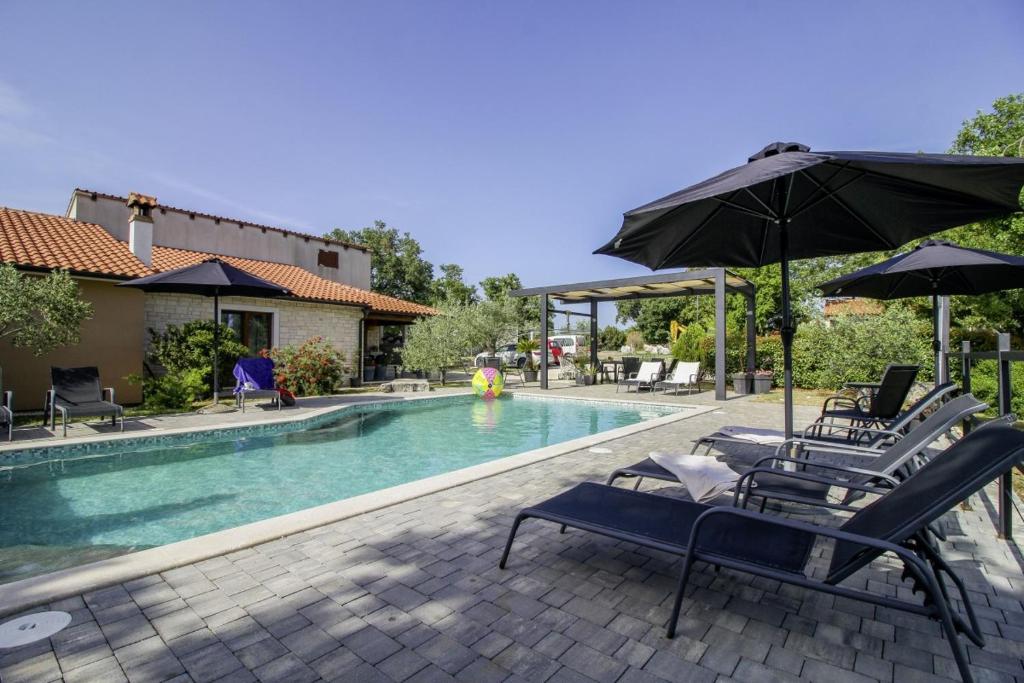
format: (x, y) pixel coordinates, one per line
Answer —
(302, 283)
(46, 241)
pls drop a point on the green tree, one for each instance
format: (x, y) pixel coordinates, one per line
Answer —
(526, 309)
(438, 342)
(451, 287)
(999, 132)
(40, 313)
(397, 267)
(611, 338)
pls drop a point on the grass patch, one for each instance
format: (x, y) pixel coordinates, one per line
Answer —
(801, 397)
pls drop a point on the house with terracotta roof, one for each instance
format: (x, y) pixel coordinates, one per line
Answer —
(104, 239)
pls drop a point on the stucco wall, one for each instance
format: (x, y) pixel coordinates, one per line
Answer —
(112, 340)
(182, 230)
(294, 321)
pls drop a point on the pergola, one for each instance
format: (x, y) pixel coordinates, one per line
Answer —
(717, 281)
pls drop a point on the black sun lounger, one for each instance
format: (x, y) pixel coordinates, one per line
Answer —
(778, 548)
(76, 392)
(764, 481)
(821, 431)
(882, 404)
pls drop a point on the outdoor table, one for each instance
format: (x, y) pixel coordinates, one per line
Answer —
(615, 365)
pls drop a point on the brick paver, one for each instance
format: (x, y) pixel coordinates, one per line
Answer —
(413, 593)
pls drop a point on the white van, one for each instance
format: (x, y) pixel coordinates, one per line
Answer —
(570, 343)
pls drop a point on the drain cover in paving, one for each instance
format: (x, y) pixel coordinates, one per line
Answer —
(32, 627)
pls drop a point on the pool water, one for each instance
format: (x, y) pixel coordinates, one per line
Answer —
(67, 512)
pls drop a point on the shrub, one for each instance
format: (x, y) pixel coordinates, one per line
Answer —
(181, 349)
(173, 391)
(857, 348)
(314, 368)
(611, 338)
(690, 345)
(635, 341)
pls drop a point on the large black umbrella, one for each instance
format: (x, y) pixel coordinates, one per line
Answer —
(788, 203)
(933, 268)
(215, 278)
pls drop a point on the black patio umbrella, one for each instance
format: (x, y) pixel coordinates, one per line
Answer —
(215, 278)
(790, 203)
(933, 268)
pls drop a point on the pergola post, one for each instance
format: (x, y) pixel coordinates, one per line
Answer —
(593, 335)
(543, 341)
(720, 335)
(751, 332)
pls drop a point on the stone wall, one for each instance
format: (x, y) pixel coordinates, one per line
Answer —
(294, 321)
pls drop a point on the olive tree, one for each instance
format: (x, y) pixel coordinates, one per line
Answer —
(438, 342)
(40, 313)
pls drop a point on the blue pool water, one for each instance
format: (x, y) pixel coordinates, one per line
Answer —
(57, 514)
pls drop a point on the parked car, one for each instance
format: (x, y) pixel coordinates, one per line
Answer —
(555, 352)
(507, 354)
(570, 343)
(511, 357)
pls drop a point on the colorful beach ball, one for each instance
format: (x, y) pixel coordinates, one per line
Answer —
(488, 383)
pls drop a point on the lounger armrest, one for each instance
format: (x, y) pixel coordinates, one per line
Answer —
(826, 447)
(108, 391)
(817, 425)
(9, 401)
(837, 400)
(748, 480)
(827, 532)
(823, 465)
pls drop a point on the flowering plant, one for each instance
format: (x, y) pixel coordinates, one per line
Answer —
(314, 368)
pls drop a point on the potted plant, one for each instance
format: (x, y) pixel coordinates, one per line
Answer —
(762, 381)
(528, 346)
(584, 374)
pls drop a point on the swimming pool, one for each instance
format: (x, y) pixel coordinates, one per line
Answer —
(65, 512)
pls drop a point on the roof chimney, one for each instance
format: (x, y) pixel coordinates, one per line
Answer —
(140, 226)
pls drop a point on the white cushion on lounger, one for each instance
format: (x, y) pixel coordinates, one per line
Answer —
(703, 477)
(757, 435)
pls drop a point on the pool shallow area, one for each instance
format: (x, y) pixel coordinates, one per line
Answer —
(65, 512)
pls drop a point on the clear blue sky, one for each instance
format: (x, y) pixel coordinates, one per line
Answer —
(504, 136)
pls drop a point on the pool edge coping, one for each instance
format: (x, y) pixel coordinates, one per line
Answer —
(23, 594)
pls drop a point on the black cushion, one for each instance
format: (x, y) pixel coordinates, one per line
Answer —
(90, 408)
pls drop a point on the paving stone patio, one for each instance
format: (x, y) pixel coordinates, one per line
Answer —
(413, 593)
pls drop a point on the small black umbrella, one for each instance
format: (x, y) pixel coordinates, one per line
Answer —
(212, 277)
(933, 268)
(788, 202)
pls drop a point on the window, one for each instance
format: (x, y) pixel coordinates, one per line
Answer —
(328, 259)
(251, 327)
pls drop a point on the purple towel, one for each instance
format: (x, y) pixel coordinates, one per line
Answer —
(254, 373)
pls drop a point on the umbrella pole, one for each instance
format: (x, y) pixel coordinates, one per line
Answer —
(787, 332)
(216, 345)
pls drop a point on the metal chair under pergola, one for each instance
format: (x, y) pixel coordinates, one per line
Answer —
(716, 281)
